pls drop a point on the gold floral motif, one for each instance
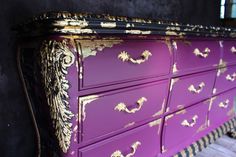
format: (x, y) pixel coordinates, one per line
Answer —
(124, 56)
(91, 47)
(56, 58)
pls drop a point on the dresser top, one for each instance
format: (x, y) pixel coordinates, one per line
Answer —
(77, 23)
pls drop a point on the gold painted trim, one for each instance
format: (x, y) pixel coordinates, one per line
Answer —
(162, 109)
(172, 83)
(174, 68)
(56, 58)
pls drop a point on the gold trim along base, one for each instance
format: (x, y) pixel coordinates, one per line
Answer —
(190, 151)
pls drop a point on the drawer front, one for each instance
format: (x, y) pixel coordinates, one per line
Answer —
(226, 79)
(195, 55)
(140, 142)
(222, 108)
(120, 110)
(122, 61)
(190, 89)
(229, 55)
(183, 125)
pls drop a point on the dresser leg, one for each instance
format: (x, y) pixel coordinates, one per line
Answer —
(232, 133)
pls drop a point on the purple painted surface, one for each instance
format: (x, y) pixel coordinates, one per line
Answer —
(222, 81)
(175, 133)
(180, 95)
(186, 60)
(102, 118)
(222, 108)
(108, 69)
(229, 51)
(149, 137)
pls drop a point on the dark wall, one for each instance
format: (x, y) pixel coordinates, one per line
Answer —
(16, 128)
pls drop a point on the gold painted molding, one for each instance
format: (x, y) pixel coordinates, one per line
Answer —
(56, 58)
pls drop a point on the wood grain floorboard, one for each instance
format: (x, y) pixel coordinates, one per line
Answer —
(223, 147)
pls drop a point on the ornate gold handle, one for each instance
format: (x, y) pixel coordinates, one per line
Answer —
(197, 90)
(231, 77)
(125, 57)
(233, 50)
(224, 104)
(203, 54)
(190, 124)
(122, 107)
(134, 148)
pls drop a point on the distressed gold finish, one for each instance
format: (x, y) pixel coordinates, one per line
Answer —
(172, 83)
(169, 117)
(129, 124)
(183, 111)
(233, 50)
(154, 123)
(214, 91)
(108, 24)
(163, 149)
(203, 126)
(211, 102)
(134, 148)
(137, 32)
(125, 57)
(162, 109)
(174, 68)
(92, 47)
(197, 90)
(122, 107)
(83, 101)
(70, 22)
(222, 67)
(203, 54)
(193, 122)
(224, 104)
(231, 78)
(56, 58)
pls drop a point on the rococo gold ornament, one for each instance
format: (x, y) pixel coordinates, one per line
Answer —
(56, 58)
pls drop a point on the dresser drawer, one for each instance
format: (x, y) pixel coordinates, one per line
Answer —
(108, 62)
(141, 142)
(195, 55)
(222, 108)
(180, 127)
(229, 55)
(226, 79)
(188, 90)
(111, 112)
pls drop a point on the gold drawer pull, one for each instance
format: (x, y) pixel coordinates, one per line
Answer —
(125, 57)
(122, 107)
(231, 77)
(134, 148)
(197, 90)
(224, 104)
(203, 54)
(190, 124)
(233, 50)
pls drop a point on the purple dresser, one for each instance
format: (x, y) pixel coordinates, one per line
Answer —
(103, 86)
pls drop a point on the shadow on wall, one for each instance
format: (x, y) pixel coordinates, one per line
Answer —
(16, 128)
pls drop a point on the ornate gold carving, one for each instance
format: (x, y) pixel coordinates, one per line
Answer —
(203, 54)
(108, 24)
(124, 56)
(190, 124)
(56, 58)
(122, 107)
(91, 47)
(83, 101)
(134, 148)
(197, 90)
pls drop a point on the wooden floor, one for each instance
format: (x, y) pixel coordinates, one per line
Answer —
(223, 147)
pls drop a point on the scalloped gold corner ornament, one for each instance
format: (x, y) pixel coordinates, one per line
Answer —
(56, 58)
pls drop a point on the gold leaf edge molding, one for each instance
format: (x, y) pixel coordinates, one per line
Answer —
(56, 58)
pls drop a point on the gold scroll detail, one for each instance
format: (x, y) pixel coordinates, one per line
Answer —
(197, 90)
(56, 58)
(125, 57)
(203, 54)
(186, 123)
(91, 47)
(134, 148)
